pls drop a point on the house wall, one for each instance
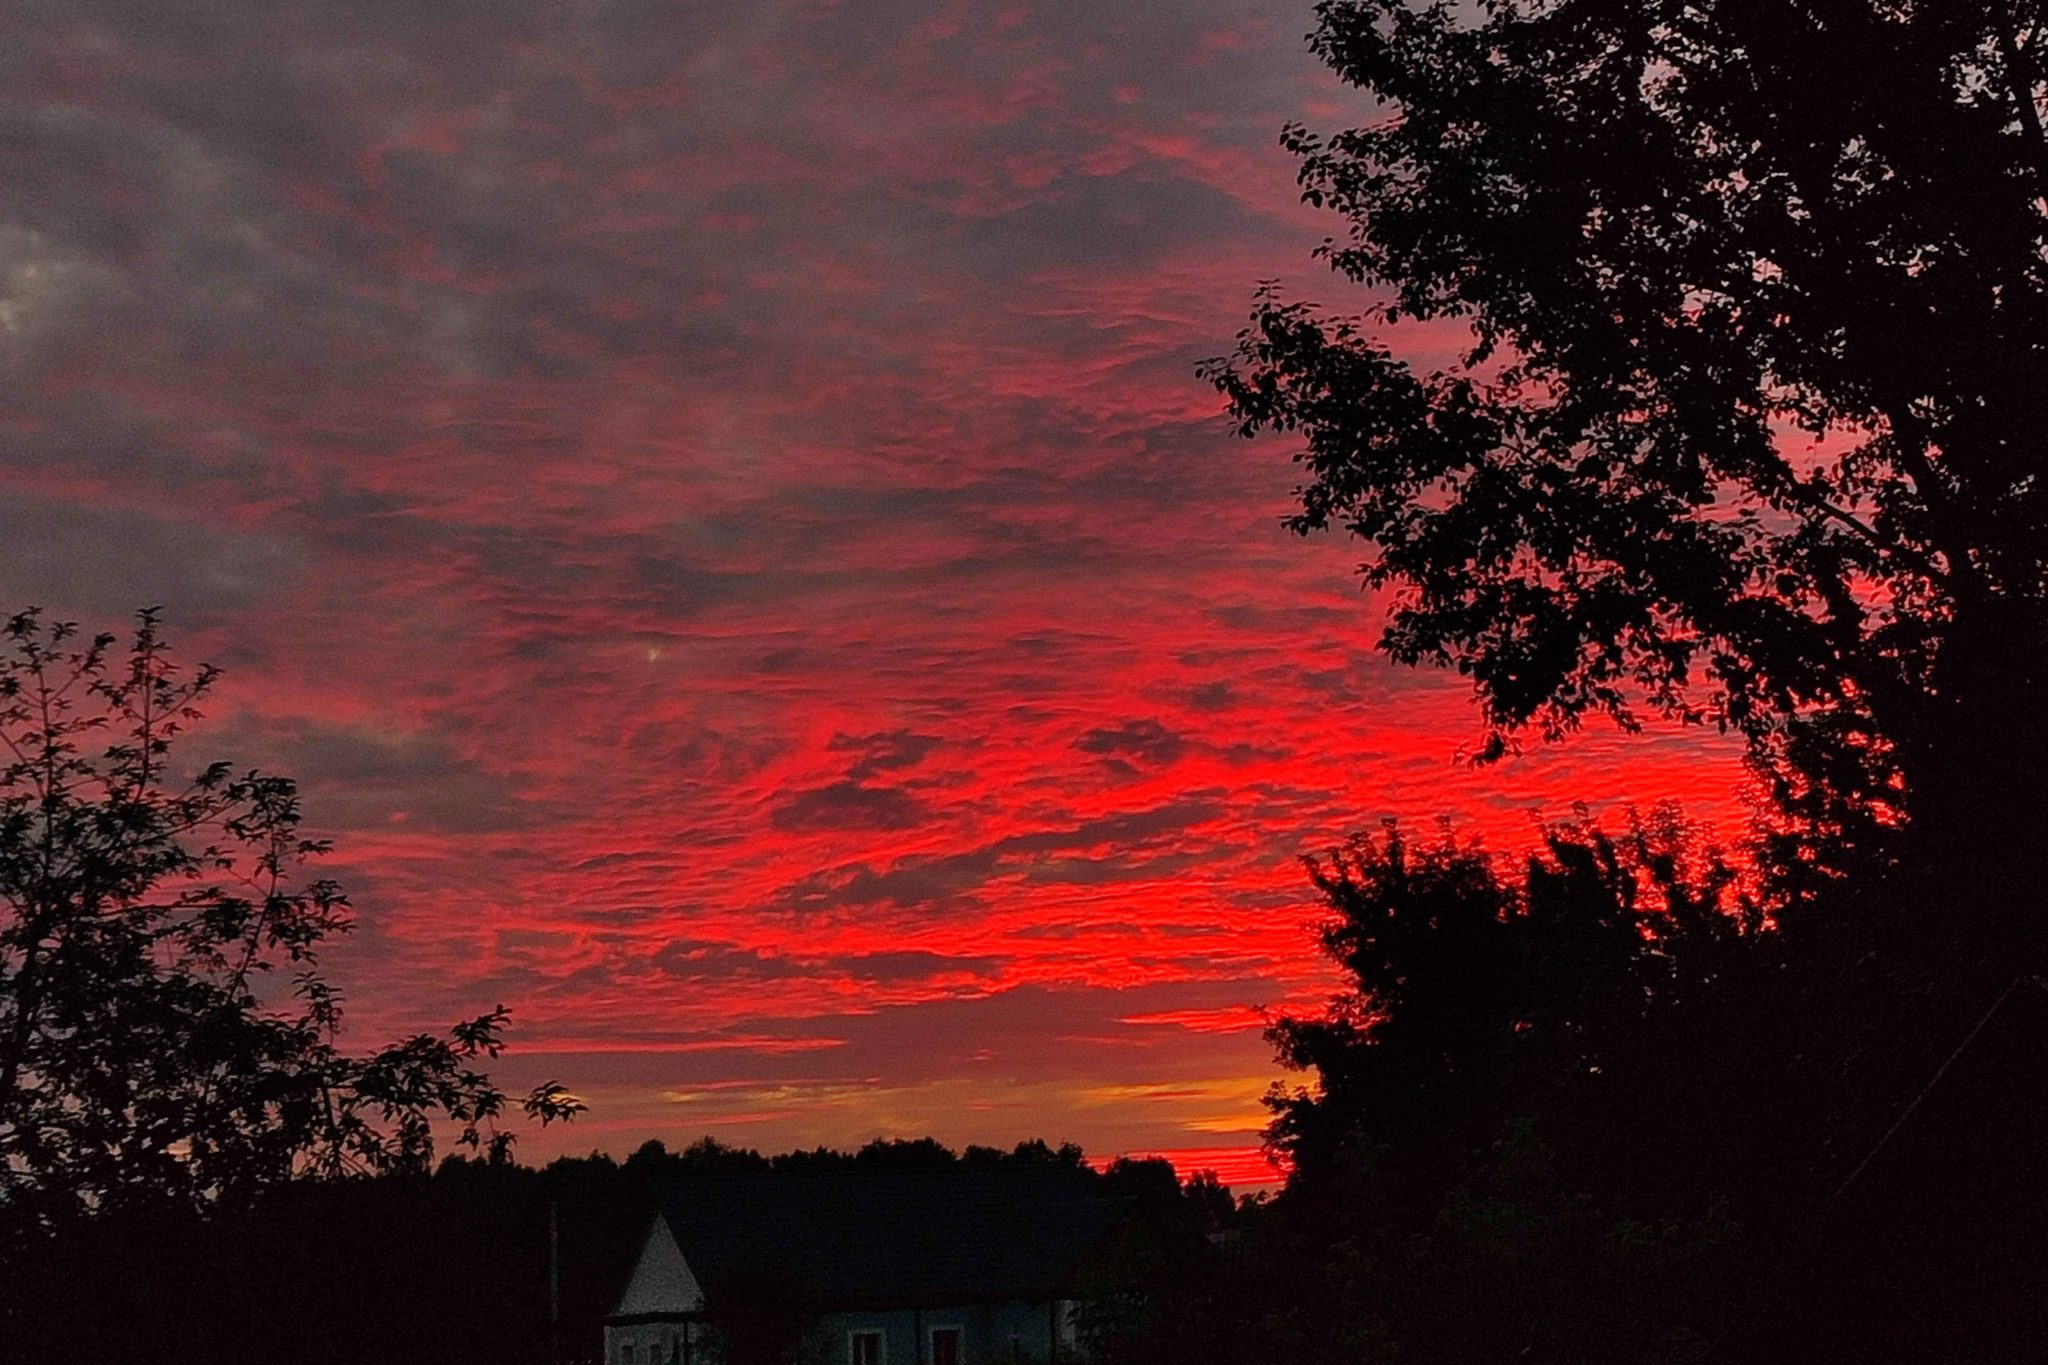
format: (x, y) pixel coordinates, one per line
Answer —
(656, 1343)
(990, 1334)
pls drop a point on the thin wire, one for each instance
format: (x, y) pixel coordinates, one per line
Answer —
(1927, 1089)
(1776, 1287)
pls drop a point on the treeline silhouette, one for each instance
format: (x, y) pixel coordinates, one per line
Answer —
(454, 1265)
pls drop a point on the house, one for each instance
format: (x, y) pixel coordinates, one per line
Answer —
(955, 1265)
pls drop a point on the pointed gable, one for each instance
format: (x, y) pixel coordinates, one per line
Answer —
(662, 1281)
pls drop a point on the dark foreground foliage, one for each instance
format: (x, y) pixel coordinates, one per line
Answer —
(1745, 432)
(1594, 1109)
(167, 1040)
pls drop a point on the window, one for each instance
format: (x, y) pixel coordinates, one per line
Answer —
(945, 1346)
(865, 1348)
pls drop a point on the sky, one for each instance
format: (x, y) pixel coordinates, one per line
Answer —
(713, 503)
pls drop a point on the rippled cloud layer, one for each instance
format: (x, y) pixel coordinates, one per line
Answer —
(713, 502)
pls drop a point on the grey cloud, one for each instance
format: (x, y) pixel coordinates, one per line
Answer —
(687, 960)
(911, 965)
(1024, 1034)
(887, 751)
(1147, 741)
(1072, 854)
(235, 140)
(362, 778)
(1127, 829)
(283, 253)
(1102, 222)
(680, 589)
(848, 805)
(105, 562)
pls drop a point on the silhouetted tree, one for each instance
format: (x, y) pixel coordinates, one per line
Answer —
(1541, 1112)
(1748, 298)
(149, 1054)
(1672, 238)
(653, 1165)
(1465, 994)
(1210, 1209)
(1039, 1152)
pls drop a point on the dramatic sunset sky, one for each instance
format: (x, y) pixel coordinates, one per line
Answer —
(713, 503)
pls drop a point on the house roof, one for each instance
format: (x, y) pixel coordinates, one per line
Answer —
(868, 1237)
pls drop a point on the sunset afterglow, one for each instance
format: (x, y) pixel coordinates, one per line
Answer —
(715, 506)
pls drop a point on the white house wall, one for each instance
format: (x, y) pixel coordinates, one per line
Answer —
(656, 1343)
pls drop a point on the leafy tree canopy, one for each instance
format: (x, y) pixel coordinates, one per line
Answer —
(1470, 997)
(1745, 425)
(1549, 1102)
(166, 1037)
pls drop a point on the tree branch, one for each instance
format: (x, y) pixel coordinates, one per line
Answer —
(2020, 86)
